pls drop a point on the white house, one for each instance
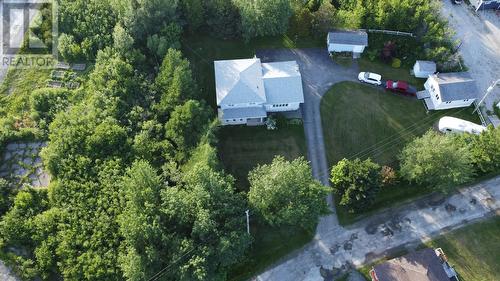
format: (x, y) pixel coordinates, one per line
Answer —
(448, 90)
(247, 90)
(347, 41)
(422, 68)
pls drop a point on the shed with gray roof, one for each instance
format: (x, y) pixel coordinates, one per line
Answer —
(353, 41)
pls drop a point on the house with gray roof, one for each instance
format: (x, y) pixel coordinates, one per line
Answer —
(424, 265)
(247, 89)
(352, 41)
(449, 90)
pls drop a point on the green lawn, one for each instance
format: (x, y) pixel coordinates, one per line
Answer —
(242, 148)
(269, 246)
(474, 251)
(365, 122)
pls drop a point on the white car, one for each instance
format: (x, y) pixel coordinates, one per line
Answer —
(370, 78)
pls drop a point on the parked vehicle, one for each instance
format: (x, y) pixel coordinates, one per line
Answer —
(370, 78)
(449, 125)
(400, 87)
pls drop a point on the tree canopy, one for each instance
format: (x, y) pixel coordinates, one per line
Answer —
(285, 193)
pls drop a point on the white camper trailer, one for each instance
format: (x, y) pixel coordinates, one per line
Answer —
(458, 126)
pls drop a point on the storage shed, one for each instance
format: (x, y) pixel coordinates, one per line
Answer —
(347, 41)
(422, 68)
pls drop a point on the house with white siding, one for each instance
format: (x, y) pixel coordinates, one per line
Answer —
(247, 89)
(449, 90)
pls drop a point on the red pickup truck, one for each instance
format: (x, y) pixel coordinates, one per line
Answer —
(401, 87)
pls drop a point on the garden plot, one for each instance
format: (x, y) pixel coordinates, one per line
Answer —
(21, 162)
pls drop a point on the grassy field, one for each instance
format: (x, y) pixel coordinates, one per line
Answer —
(17, 87)
(270, 245)
(474, 251)
(242, 148)
(361, 121)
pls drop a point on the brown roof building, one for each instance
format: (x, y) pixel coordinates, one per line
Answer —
(424, 265)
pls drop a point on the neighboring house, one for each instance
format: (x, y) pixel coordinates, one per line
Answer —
(347, 41)
(448, 90)
(486, 4)
(423, 265)
(247, 90)
(422, 68)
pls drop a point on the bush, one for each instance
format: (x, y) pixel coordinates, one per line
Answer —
(388, 176)
(396, 63)
(356, 182)
(285, 193)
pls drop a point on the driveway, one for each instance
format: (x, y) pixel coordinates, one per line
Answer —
(319, 73)
(387, 233)
(480, 37)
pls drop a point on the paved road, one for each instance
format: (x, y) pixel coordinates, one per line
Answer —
(480, 35)
(369, 239)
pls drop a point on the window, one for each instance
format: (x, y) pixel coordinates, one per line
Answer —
(437, 96)
(466, 100)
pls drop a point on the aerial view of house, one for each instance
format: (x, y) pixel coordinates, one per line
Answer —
(449, 90)
(247, 90)
(244, 140)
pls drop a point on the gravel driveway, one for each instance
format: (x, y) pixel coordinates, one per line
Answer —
(480, 35)
(319, 73)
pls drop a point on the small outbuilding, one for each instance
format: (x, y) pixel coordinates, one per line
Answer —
(423, 68)
(354, 42)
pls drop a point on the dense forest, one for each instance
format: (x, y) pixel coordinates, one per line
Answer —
(137, 190)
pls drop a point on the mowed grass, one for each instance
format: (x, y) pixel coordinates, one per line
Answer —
(242, 148)
(269, 246)
(474, 251)
(362, 121)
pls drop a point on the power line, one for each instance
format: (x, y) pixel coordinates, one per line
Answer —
(165, 269)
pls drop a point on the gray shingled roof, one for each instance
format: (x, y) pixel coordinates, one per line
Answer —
(456, 86)
(426, 66)
(243, 112)
(423, 265)
(348, 37)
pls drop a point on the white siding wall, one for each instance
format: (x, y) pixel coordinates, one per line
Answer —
(340, 48)
(240, 121)
(282, 107)
(239, 105)
(454, 104)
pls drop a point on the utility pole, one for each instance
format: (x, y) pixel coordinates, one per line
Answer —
(488, 91)
(248, 221)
